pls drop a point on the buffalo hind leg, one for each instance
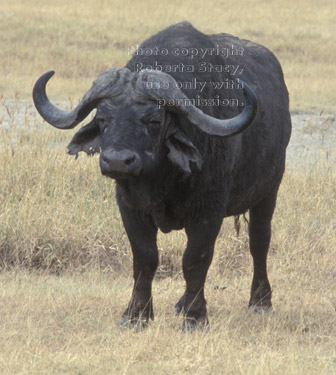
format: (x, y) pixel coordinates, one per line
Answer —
(142, 237)
(260, 236)
(196, 261)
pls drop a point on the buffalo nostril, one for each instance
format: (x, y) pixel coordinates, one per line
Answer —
(125, 161)
(130, 160)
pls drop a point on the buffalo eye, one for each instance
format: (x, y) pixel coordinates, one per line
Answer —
(152, 121)
(153, 127)
(155, 122)
(102, 123)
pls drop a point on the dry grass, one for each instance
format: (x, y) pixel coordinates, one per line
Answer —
(67, 274)
(69, 325)
(79, 40)
(65, 259)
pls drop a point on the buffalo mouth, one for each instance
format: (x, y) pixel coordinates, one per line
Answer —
(117, 175)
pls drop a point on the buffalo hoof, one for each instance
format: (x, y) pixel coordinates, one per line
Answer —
(178, 310)
(134, 324)
(179, 307)
(260, 309)
(192, 325)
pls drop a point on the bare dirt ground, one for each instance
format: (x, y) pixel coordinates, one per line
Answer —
(313, 136)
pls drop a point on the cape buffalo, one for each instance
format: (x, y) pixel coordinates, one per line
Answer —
(187, 144)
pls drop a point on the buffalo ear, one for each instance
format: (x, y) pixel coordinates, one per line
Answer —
(182, 151)
(87, 139)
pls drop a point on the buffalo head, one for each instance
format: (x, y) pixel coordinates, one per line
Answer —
(136, 122)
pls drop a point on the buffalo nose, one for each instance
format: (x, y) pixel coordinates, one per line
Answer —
(120, 162)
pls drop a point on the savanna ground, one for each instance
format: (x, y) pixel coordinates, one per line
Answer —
(65, 259)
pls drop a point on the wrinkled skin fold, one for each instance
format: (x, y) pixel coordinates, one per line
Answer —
(181, 165)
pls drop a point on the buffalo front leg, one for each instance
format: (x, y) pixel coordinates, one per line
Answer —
(142, 236)
(196, 261)
(260, 236)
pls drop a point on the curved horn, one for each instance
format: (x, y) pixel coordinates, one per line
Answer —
(156, 84)
(108, 84)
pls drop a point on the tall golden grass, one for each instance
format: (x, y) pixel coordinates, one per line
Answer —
(64, 256)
